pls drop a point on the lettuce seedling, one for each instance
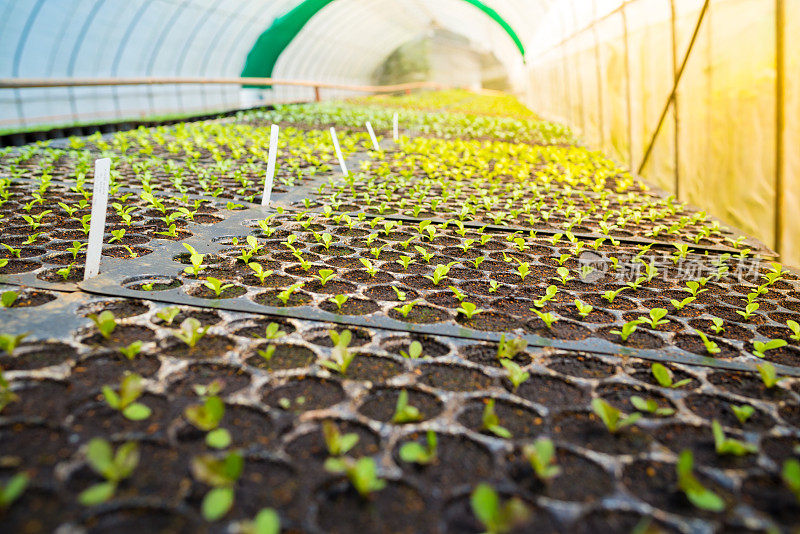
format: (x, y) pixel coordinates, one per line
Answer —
(547, 318)
(583, 308)
(338, 444)
(613, 418)
(406, 308)
(656, 318)
(221, 475)
(611, 295)
(650, 406)
(259, 272)
(362, 473)
(427, 256)
(725, 445)
(627, 329)
(469, 309)
(405, 261)
(113, 466)
(339, 301)
(196, 261)
(105, 322)
(371, 269)
(760, 348)
(749, 310)
(341, 356)
(541, 454)
(523, 269)
(287, 293)
(695, 492)
(769, 376)
(711, 347)
(414, 452)
(791, 476)
(404, 412)
(216, 285)
(664, 377)
(414, 351)
(681, 304)
(508, 348)
(795, 328)
(514, 372)
(717, 325)
(497, 517)
(694, 288)
(130, 389)
(325, 275)
(13, 490)
(549, 294)
(191, 331)
(206, 417)
(439, 273)
(8, 298)
(10, 342)
(490, 422)
(743, 412)
(168, 314)
(132, 350)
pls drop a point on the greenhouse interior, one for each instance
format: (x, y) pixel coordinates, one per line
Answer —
(254, 250)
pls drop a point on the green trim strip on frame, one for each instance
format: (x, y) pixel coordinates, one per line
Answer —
(272, 42)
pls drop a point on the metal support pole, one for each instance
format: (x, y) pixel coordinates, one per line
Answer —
(628, 108)
(780, 82)
(676, 133)
(678, 77)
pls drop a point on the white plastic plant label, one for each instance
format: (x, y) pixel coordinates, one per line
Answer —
(372, 136)
(273, 154)
(338, 150)
(396, 127)
(97, 226)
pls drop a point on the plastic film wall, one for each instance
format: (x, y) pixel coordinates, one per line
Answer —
(729, 140)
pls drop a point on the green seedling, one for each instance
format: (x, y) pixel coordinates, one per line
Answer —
(725, 445)
(694, 288)
(414, 351)
(259, 271)
(196, 260)
(549, 295)
(613, 418)
(508, 348)
(15, 252)
(664, 377)
(371, 269)
(656, 318)
(790, 473)
(795, 328)
(650, 406)
(497, 517)
(324, 276)
(627, 329)
(494, 285)
(427, 256)
(191, 332)
(476, 262)
(514, 372)
(769, 376)
(216, 285)
(339, 301)
(105, 322)
(414, 452)
(113, 466)
(457, 293)
(341, 356)
(681, 304)
(168, 314)
(523, 270)
(130, 389)
(700, 496)
(132, 350)
(64, 272)
(749, 310)
(267, 353)
(117, 235)
(338, 444)
(404, 412)
(760, 348)
(743, 412)
(563, 275)
(583, 308)
(541, 454)
(547, 318)
(469, 309)
(439, 273)
(10, 342)
(287, 293)
(13, 490)
(405, 261)
(362, 473)
(406, 308)
(221, 474)
(717, 325)
(401, 295)
(711, 346)
(611, 295)
(8, 298)
(206, 417)
(490, 422)
(6, 395)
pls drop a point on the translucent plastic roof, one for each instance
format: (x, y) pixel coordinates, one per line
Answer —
(345, 41)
